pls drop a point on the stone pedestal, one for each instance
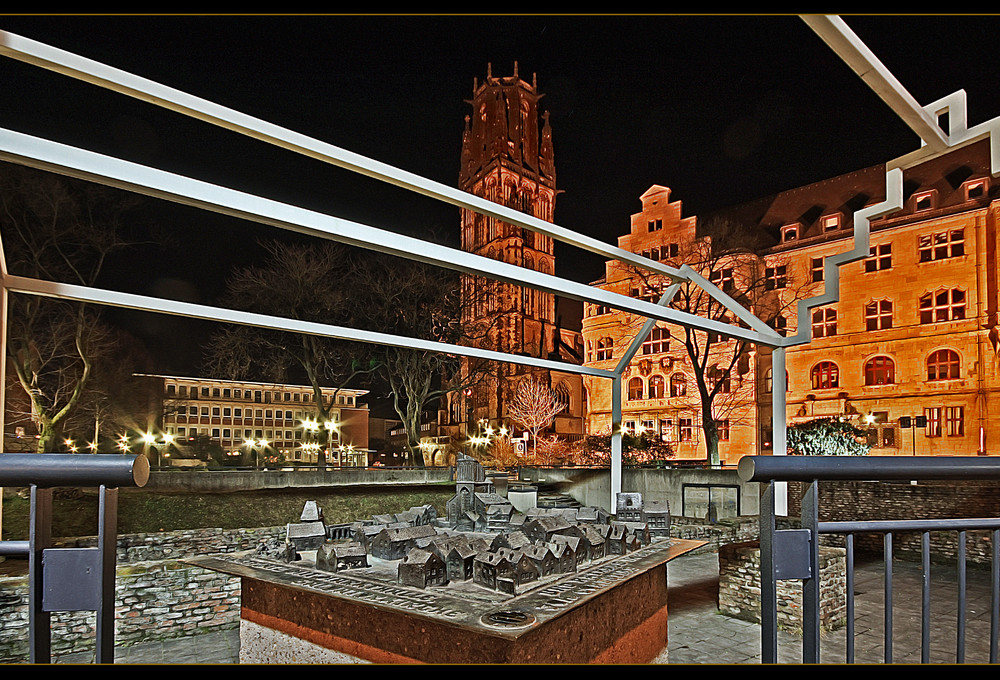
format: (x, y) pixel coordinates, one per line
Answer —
(612, 612)
(739, 587)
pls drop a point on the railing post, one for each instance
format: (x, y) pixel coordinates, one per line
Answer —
(768, 584)
(107, 538)
(811, 585)
(39, 539)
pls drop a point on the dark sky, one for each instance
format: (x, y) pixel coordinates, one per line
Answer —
(720, 109)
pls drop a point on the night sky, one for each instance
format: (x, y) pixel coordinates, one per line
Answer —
(719, 109)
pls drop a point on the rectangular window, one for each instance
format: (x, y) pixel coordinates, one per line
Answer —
(824, 323)
(955, 421)
(722, 426)
(657, 342)
(687, 429)
(775, 277)
(933, 428)
(941, 245)
(227, 412)
(878, 315)
(226, 393)
(942, 305)
(879, 257)
(723, 279)
(816, 267)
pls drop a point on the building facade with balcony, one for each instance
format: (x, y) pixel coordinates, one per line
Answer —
(257, 421)
(909, 353)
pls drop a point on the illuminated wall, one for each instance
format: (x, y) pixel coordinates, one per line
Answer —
(915, 332)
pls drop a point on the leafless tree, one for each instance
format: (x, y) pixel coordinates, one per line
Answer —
(60, 230)
(534, 406)
(303, 281)
(414, 300)
(731, 257)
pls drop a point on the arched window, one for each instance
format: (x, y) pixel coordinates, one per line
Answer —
(769, 381)
(605, 346)
(943, 364)
(657, 387)
(880, 371)
(635, 389)
(678, 385)
(825, 375)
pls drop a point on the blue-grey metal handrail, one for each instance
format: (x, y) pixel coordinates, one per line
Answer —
(794, 554)
(56, 576)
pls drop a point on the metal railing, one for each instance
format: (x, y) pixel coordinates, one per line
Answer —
(70, 579)
(788, 554)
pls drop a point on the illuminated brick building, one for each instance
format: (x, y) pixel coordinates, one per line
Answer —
(240, 416)
(507, 157)
(915, 332)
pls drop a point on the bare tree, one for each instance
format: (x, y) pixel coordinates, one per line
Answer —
(61, 230)
(304, 281)
(534, 406)
(720, 367)
(409, 299)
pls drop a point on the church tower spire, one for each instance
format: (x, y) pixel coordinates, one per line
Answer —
(507, 157)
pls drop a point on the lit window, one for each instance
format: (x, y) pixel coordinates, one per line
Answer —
(878, 315)
(657, 387)
(678, 385)
(825, 375)
(941, 245)
(954, 420)
(943, 364)
(933, 427)
(879, 257)
(831, 222)
(605, 347)
(975, 189)
(775, 277)
(687, 429)
(824, 323)
(635, 389)
(942, 305)
(769, 381)
(657, 342)
(924, 201)
(880, 371)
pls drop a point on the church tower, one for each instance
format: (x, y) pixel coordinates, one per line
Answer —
(507, 158)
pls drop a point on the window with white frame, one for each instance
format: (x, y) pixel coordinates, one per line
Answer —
(942, 305)
(878, 315)
(775, 277)
(941, 245)
(824, 323)
(879, 258)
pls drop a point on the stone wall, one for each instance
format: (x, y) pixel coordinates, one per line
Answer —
(840, 501)
(156, 595)
(739, 587)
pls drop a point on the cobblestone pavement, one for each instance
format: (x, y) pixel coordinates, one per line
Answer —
(699, 634)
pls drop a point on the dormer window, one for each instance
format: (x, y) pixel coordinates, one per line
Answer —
(924, 201)
(789, 233)
(976, 188)
(830, 222)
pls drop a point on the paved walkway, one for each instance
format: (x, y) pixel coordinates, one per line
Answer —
(698, 634)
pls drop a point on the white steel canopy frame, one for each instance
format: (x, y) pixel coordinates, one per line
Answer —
(76, 162)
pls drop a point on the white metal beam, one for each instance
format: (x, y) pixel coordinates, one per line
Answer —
(849, 47)
(75, 66)
(47, 155)
(65, 291)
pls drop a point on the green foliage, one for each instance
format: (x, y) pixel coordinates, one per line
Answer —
(637, 449)
(827, 437)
